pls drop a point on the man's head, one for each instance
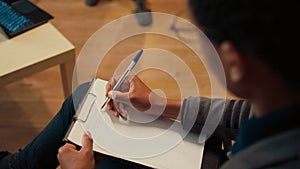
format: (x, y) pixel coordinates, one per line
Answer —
(248, 33)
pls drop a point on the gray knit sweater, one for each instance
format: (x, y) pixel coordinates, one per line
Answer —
(195, 110)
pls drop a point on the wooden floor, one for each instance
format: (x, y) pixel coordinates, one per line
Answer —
(28, 104)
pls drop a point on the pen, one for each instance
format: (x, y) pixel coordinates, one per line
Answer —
(124, 75)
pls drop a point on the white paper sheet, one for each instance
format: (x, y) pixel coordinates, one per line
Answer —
(157, 144)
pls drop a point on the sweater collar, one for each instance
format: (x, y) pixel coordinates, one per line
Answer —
(257, 129)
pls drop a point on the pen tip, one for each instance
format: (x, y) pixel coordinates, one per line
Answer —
(138, 55)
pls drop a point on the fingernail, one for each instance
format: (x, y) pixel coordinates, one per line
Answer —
(112, 94)
(89, 134)
(124, 115)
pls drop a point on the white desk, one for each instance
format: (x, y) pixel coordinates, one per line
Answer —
(34, 51)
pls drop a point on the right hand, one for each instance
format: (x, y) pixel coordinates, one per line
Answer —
(134, 98)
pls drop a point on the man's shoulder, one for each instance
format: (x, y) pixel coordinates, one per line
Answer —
(279, 151)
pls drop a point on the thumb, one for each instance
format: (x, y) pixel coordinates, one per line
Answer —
(87, 142)
(118, 96)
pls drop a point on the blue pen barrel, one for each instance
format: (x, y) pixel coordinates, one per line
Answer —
(125, 74)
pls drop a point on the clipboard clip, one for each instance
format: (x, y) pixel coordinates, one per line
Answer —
(86, 107)
(86, 104)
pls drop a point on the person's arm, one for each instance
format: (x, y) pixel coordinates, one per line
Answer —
(194, 112)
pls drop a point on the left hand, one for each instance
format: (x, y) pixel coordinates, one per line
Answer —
(70, 158)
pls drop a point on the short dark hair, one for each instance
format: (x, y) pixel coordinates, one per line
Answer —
(265, 29)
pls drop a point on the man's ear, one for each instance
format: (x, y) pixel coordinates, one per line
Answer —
(232, 60)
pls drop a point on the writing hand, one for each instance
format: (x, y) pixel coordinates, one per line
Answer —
(135, 99)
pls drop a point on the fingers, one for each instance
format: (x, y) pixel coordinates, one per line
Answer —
(123, 111)
(108, 88)
(70, 158)
(124, 87)
(66, 149)
(119, 96)
(111, 107)
(87, 142)
(110, 84)
(87, 145)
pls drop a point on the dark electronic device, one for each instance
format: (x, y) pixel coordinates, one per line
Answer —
(18, 16)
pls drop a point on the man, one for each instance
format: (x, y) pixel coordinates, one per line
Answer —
(257, 45)
(251, 37)
(256, 41)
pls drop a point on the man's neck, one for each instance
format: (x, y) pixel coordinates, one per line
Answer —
(272, 99)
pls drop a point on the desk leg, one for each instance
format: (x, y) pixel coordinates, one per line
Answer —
(66, 70)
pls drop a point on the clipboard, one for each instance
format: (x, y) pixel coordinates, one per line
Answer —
(80, 114)
(186, 153)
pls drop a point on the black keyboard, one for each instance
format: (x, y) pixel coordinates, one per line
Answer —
(19, 16)
(12, 20)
